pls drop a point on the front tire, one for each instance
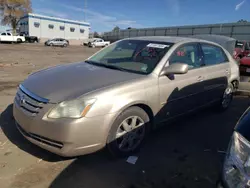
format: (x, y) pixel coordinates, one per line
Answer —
(19, 40)
(128, 132)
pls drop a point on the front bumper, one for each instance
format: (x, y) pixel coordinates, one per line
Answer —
(65, 136)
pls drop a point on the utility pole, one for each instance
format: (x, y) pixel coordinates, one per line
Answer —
(85, 8)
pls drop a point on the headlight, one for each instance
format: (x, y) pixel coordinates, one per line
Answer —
(240, 148)
(237, 162)
(72, 109)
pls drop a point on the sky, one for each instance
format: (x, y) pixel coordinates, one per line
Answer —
(104, 15)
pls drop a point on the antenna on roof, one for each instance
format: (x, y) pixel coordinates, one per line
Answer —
(85, 7)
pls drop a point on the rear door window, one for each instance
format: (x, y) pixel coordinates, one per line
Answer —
(213, 55)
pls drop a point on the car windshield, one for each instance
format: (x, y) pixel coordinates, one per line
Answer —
(239, 44)
(138, 56)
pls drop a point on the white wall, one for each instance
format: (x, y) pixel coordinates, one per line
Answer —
(43, 31)
(34, 31)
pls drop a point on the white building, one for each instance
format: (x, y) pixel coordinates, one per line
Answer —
(46, 27)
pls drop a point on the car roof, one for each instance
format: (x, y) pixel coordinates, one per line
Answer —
(172, 39)
(57, 38)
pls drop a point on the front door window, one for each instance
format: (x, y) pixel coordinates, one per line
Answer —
(187, 54)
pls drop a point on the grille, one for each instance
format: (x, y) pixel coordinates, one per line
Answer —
(40, 139)
(29, 102)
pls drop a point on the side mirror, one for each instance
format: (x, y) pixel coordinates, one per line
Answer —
(176, 68)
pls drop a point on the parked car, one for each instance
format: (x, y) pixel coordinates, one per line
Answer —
(86, 42)
(116, 96)
(98, 43)
(8, 37)
(245, 65)
(236, 168)
(242, 49)
(57, 42)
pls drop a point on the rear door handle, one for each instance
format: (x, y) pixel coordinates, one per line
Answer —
(200, 78)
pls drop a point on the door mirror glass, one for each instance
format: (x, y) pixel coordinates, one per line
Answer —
(176, 68)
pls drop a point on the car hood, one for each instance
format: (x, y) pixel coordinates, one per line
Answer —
(245, 61)
(65, 82)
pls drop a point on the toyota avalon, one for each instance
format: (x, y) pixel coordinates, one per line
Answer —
(115, 97)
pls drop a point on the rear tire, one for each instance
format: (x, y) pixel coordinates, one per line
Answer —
(65, 45)
(128, 132)
(227, 98)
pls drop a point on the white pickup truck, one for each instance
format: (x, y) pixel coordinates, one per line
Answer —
(8, 37)
(98, 43)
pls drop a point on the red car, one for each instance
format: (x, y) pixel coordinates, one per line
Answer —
(241, 50)
(245, 65)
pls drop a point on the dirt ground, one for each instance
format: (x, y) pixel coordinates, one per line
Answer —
(186, 154)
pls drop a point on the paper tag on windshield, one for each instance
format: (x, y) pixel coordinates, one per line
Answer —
(152, 45)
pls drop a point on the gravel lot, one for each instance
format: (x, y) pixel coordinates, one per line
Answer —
(185, 154)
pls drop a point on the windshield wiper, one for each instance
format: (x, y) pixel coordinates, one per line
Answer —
(91, 62)
(106, 65)
(113, 67)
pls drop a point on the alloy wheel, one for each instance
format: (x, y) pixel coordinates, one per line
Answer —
(227, 97)
(130, 133)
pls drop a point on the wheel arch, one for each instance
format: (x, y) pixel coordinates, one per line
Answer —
(147, 109)
(141, 105)
(235, 84)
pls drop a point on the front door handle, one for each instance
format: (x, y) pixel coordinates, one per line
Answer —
(200, 78)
